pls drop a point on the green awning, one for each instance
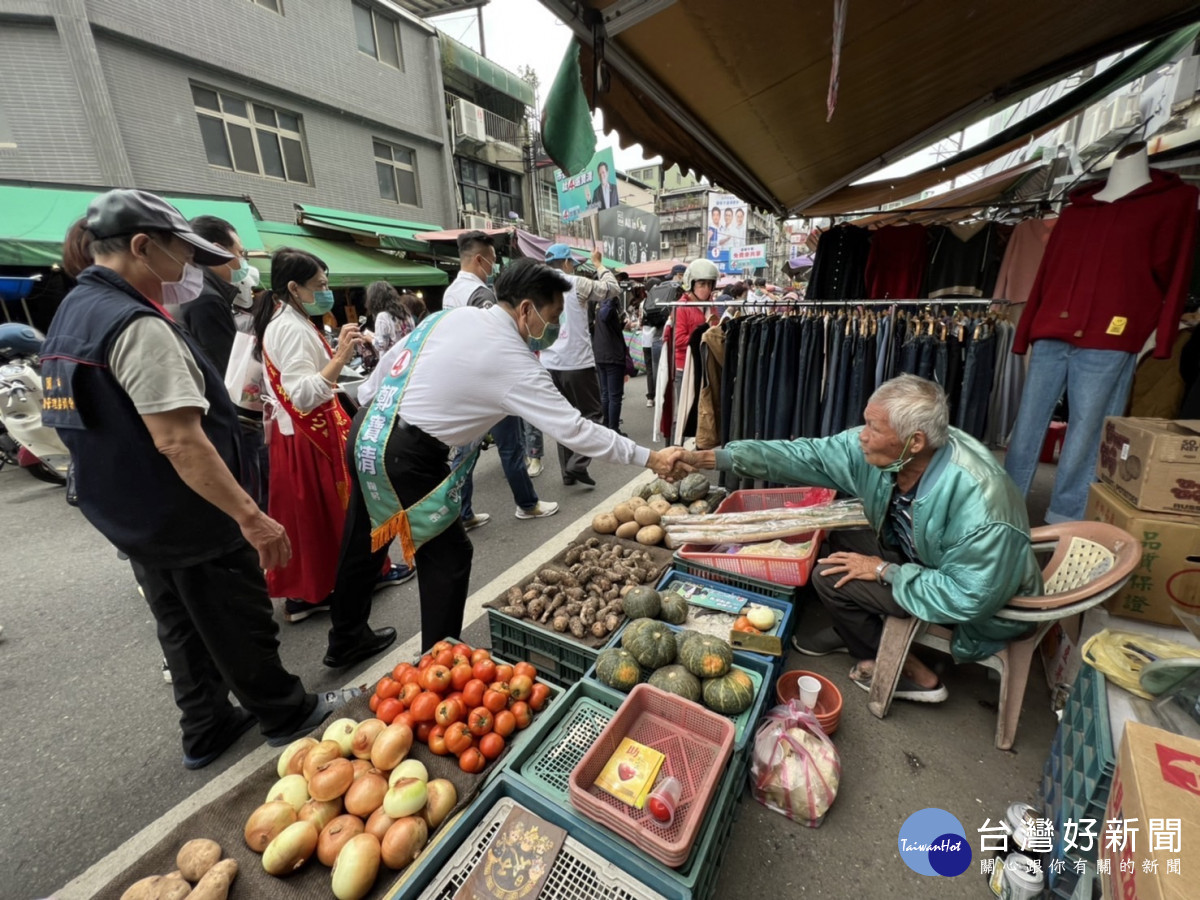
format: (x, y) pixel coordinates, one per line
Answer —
(392, 234)
(350, 265)
(463, 59)
(34, 220)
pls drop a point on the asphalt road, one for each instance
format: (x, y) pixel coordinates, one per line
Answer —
(91, 751)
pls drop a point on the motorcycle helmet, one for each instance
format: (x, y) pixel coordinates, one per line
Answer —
(700, 270)
(17, 340)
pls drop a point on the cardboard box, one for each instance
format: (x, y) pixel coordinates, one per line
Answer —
(1170, 566)
(1152, 463)
(1155, 790)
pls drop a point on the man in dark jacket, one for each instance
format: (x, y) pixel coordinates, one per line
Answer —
(608, 344)
(155, 442)
(210, 316)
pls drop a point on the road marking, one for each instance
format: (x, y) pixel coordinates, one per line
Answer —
(126, 856)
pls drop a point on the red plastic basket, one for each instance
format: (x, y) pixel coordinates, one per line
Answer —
(776, 569)
(697, 744)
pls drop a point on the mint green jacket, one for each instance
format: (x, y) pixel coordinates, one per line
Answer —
(970, 527)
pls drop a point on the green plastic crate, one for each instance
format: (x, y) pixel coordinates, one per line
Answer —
(556, 656)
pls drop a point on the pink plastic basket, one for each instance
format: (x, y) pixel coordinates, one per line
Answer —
(697, 744)
(768, 568)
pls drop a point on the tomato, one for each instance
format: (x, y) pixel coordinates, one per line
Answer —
(437, 741)
(491, 745)
(423, 731)
(494, 701)
(501, 687)
(504, 672)
(388, 710)
(448, 712)
(457, 695)
(481, 653)
(439, 647)
(521, 713)
(524, 668)
(401, 668)
(472, 761)
(462, 654)
(436, 679)
(425, 663)
(480, 721)
(473, 692)
(411, 676)
(405, 718)
(373, 702)
(485, 670)
(445, 658)
(410, 692)
(387, 687)
(460, 675)
(424, 707)
(504, 723)
(458, 738)
(538, 696)
(521, 687)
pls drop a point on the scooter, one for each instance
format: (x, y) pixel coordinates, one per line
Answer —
(24, 440)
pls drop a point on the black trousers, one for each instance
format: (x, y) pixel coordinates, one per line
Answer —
(218, 635)
(416, 464)
(581, 387)
(857, 608)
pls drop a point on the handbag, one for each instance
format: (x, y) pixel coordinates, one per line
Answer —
(244, 374)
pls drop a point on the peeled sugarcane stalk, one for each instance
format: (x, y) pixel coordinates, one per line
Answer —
(832, 512)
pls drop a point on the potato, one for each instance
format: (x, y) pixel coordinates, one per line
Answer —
(660, 506)
(216, 881)
(645, 515)
(605, 523)
(197, 857)
(636, 503)
(623, 512)
(650, 535)
(657, 498)
(676, 509)
(158, 887)
(628, 530)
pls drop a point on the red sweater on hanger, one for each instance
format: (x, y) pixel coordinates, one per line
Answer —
(896, 263)
(1114, 273)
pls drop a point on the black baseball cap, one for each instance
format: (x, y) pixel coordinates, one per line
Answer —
(678, 269)
(123, 212)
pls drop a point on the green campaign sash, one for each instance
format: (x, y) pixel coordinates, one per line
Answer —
(437, 510)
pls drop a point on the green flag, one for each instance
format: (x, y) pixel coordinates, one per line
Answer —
(567, 131)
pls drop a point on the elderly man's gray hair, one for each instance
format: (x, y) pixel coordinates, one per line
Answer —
(914, 404)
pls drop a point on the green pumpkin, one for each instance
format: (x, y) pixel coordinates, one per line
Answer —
(694, 487)
(618, 669)
(669, 492)
(731, 694)
(677, 680)
(631, 629)
(654, 645)
(706, 656)
(674, 608)
(698, 508)
(642, 603)
(680, 637)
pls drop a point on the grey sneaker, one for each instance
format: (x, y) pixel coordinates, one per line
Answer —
(534, 468)
(476, 521)
(820, 643)
(543, 509)
(166, 672)
(327, 702)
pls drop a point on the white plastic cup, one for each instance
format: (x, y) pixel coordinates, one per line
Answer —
(810, 690)
(664, 800)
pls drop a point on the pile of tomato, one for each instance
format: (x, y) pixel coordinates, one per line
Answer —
(459, 701)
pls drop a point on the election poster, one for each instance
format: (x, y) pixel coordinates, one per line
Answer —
(726, 225)
(630, 235)
(591, 190)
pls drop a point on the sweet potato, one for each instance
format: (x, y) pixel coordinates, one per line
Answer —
(196, 857)
(216, 881)
(158, 887)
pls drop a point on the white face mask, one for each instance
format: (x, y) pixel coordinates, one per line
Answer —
(186, 289)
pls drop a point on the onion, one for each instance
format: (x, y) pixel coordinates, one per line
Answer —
(291, 788)
(320, 812)
(410, 768)
(364, 737)
(331, 780)
(366, 795)
(290, 751)
(341, 732)
(334, 836)
(326, 751)
(403, 841)
(356, 867)
(391, 746)
(379, 823)
(362, 767)
(761, 618)
(266, 823)
(440, 799)
(404, 798)
(291, 849)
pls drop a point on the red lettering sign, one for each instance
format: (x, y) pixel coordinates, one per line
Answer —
(1179, 769)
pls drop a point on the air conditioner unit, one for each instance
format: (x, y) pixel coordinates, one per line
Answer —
(472, 221)
(1127, 111)
(664, 245)
(468, 122)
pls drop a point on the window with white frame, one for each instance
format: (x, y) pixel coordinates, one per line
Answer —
(251, 137)
(273, 5)
(396, 169)
(378, 34)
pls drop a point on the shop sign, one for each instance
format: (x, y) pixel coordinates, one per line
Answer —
(630, 235)
(750, 256)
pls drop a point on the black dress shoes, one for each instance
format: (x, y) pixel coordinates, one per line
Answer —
(580, 475)
(380, 640)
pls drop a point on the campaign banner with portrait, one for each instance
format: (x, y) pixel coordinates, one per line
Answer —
(630, 235)
(726, 229)
(591, 190)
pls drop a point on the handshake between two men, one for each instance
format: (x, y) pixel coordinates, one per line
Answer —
(675, 463)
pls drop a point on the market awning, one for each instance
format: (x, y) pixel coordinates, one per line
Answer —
(349, 264)
(390, 234)
(654, 269)
(462, 58)
(34, 220)
(684, 87)
(535, 247)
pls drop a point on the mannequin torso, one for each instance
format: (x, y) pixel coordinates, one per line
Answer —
(1130, 171)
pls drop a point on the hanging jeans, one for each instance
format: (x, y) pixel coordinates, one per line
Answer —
(1097, 383)
(977, 385)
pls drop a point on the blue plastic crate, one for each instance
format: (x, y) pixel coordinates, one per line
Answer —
(753, 664)
(743, 583)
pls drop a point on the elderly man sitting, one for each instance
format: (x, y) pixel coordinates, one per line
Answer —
(949, 539)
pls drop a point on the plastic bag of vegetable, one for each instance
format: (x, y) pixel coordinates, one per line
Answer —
(795, 769)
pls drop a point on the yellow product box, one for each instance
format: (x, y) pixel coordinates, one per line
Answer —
(630, 772)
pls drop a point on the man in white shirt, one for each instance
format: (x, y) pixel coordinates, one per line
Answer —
(477, 262)
(570, 361)
(453, 398)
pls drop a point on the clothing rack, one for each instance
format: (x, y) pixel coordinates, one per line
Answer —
(821, 304)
